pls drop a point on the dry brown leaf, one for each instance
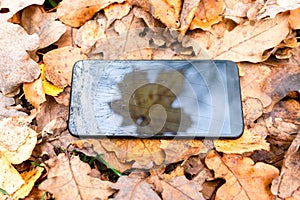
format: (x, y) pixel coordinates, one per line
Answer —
(143, 151)
(244, 179)
(69, 179)
(64, 97)
(34, 93)
(16, 66)
(273, 7)
(209, 12)
(116, 11)
(148, 19)
(252, 110)
(10, 179)
(294, 19)
(6, 108)
(237, 10)
(34, 20)
(134, 187)
(248, 42)
(287, 184)
(251, 140)
(166, 11)
(178, 187)
(189, 9)
(17, 140)
(15, 6)
(288, 111)
(178, 150)
(59, 64)
(76, 12)
(68, 38)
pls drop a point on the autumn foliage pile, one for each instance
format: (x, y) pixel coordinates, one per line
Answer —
(39, 159)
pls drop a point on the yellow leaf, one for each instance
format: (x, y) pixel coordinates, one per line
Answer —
(49, 88)
(29, 178)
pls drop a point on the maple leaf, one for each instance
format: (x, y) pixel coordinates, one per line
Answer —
(69, 179)
(244, 179)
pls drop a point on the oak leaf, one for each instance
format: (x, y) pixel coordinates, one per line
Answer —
(248, 42)
(76, 12)
(35, 20)
(16, 66)
(69, 179)
(244, 179)
(59, 64)
(287, 184)
(17, 140)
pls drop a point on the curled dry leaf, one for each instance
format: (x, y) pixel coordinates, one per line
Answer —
(273, 7)
(16, 66)
(248, 42)
(287, 184)
(178, 150)
(142, 151)
(17, 140)
(133, 187)
(59, 64)
(294, 19)
(209, 12)
(251, 140)
(244, 179)
(69, 179)
(6, 108)
(34, 20)
(76, 12)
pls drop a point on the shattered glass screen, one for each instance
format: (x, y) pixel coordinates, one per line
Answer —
(154, 99)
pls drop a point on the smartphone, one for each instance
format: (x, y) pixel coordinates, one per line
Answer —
(156, 99)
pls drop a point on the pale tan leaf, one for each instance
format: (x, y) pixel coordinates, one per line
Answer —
(244, 179)
(69, 179)
(76, 12)
(10, 179)
(287, 184)
(6, 108)
(59, 64)
(294, 19)
(252, 110)
(116, 11)
(17, 140)
(16, 66)
(34, 20)
(252, 139)
(248, 42)
(273, 7)
(189, 9)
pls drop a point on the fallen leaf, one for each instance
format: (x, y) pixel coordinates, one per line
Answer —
(166, 11)
(16, 66)
(17, 140)
(34, 20)
(34, 93)
(15, 6)
(252, 110)
(189, 9)
(69, 179)
(67, 39)
(209, 12)
(10, 179)
(7, 109)
(64, 97)
(273, 7)
(148, 19)
(178, 187)
(30, 179)
(59, 64)
(287, 184)
(116, 11)
(76, 12)
(134, 187)
(142, 151)
(294, 19)
(244, 179)
(48, 87)
(178, 150)
(288, 111)
(248, 42)
(252, 139)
